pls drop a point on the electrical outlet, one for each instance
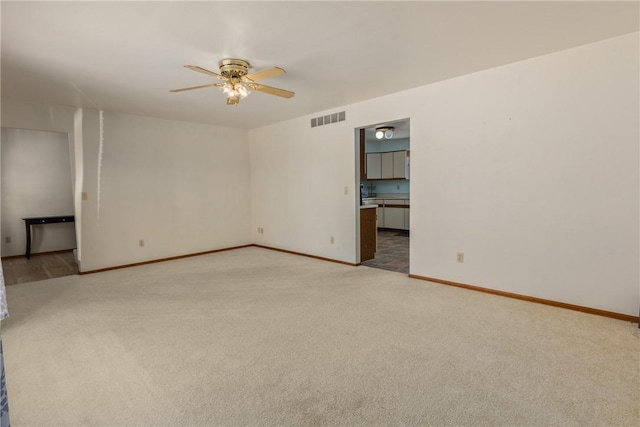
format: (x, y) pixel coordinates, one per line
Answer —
(332, 240)
(460, 257)
(7, 239)
(141, 243)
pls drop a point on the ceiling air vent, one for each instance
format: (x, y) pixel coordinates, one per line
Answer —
(328, 119)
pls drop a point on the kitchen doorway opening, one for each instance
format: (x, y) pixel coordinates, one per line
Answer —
(383, 153)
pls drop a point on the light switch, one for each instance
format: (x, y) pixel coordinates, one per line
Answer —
(85, 196)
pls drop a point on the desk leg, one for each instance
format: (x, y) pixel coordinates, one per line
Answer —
(28, 226)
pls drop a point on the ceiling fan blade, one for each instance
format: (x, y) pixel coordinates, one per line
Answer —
(271, 90)
(265, 74)
(232, 101)
(196, 87)
(205, 71)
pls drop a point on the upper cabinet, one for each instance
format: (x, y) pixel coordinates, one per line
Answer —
(389, 165)
(399, 163)
(374, 166)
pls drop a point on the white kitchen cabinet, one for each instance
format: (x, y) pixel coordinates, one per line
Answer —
(394, 218)
(393, 214)
(407, 165)
(399, 164)
(374, 166)
(387, 165)
(406, 219)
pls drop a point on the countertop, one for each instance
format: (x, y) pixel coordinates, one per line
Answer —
(368, 206)
(388, 196)
(389, 199)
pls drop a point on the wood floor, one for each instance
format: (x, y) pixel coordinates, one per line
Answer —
(392, 252)
(39, 267)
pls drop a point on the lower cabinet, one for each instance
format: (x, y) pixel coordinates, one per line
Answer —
(406, 219)
(380, 217)
(390, 215)
(394, 217)
(367, 233)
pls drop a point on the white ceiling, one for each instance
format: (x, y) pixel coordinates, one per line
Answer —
(125, 56)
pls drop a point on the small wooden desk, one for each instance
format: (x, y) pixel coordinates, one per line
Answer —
(28, 222)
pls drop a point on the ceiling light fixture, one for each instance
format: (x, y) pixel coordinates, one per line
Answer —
(384, 132)
(235, 90)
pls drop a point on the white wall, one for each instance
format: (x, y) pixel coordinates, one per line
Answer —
(25, 115)
(530, 169)
(181, 187)
(36, 181)
(298, 180)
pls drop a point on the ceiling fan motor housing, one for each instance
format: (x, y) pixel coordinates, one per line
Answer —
(233, 68)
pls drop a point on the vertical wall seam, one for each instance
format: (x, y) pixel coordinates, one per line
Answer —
(100, 154)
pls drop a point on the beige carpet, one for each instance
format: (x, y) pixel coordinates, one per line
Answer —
(258, 337)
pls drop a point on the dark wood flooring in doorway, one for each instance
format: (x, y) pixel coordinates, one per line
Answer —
(392, 252)
(39, 267)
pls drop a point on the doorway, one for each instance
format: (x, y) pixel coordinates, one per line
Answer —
(36, 181)
(383, 153)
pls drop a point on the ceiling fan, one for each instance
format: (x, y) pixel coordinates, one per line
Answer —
(236, 83)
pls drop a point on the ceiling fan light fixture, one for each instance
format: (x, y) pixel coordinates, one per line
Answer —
(384, 132)
(236, 90)
(237, 83)
(242, 90)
